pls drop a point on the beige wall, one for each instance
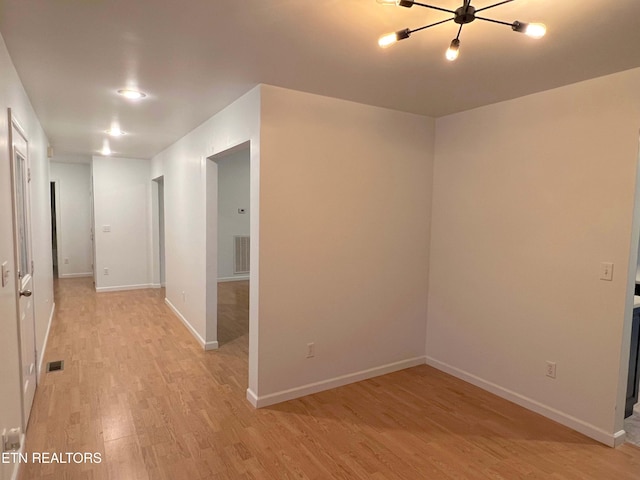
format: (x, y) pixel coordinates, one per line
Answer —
(530, 196)
(122, 201)
(190, 194)
(73, 183)
(345, 193)
(12, 96)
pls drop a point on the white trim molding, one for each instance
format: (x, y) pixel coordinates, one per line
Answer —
(619, 438)
(44, 344)
(203, 344)
(310, 388)
(233, 279)
(75, 275)
(252, 397)
(121, 288)
(596, 433)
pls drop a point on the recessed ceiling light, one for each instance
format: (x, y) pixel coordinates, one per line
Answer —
(131, 94)
(115, 132)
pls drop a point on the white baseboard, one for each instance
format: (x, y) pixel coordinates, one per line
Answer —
(155, 285)
(619, 438)
(233, 279)
(121, 288)
(252, 397)
(75, 275)
(44, 344)
(609, 439)
(290, 394)
(203, 344)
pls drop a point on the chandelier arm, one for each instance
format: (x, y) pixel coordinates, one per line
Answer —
(494, 5)
(431, 25)
(459, 32)
(434, 8)
(495, 21)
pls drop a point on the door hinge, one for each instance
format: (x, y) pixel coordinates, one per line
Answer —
(32, 267)
(28, 174)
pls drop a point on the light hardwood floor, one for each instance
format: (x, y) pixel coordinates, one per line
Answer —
(138, 389)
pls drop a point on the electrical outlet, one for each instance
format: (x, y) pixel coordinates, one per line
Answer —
(106, 271)
(11, 440)
(66, 261)
(311, 350)
(551, 369)
(184, 297)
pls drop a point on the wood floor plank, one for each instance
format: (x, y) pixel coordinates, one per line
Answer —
(139, 390)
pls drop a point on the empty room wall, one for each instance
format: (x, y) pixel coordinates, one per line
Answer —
(233, 194)
(12, 95)
(191, 212)
(122, 198)
(345, 192)
(74, 218)
(525, 209)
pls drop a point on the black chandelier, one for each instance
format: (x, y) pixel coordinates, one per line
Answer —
(463, 15)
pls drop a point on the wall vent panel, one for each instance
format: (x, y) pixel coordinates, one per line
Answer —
(241, 254)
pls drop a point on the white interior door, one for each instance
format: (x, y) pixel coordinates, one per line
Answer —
(22, 230)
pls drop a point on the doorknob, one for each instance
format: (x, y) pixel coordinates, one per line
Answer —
(25, 293)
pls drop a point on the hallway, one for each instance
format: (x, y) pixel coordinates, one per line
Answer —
(138, 389)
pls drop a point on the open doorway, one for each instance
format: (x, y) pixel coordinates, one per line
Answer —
(159, 273)
(54, 228)
(632, 391)
(233, 248)
(232, 302)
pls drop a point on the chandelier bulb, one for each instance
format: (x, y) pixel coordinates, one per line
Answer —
(391, 38)
(533, 30)
(454, 50)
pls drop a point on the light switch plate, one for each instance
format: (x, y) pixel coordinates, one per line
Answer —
(106, 228)
(5, 274)
(606, 271)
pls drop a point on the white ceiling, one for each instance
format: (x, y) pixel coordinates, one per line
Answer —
(196, 57)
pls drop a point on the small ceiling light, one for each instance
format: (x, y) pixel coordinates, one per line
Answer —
(454, 50)
(462, 15)
(390, 38)
(115, 132)
(533, 30)
(131, 94)
(105, 148)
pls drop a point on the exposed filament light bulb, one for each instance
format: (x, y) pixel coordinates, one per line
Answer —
(533, 30)
(454, 50)
(536, 30)
(390, 38)
(388, 2)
